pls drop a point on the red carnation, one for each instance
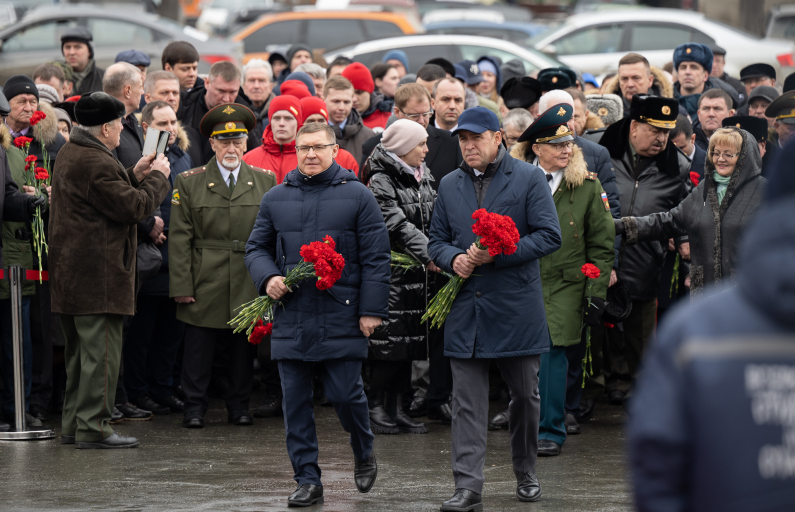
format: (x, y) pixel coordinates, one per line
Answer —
(590, 270)
(327, 239)
(30, 158)
(327, 262)
(260, 331)
(694, 178)
(36, 117)
(496, 232)
(22, 142)
(42, 173)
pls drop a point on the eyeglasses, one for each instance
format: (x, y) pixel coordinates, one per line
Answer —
(414, 117)
(317, 149)
(725, 156)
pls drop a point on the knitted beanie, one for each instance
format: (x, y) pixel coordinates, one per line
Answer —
(312, 105)
(286, 102)
(402, 136)
(48, 93)
(19, 84)
(295, 88)
(359, 76)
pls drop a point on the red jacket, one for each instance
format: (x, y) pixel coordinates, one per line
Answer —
(281, 158)
(377, 119)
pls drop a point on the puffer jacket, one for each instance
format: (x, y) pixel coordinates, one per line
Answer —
(407, 206)
(662, 185)
(714, 230)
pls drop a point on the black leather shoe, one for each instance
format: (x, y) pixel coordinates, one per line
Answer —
(380, 422)
(500, 420)
(463, 500)
(240, 417)
(4, 427)
(39, 412)
(528, 489)
(394, 407)
(30, 421)
(173, 403)
(116, 416)
(364, 473)
(272, 407)
(443, 413)
(587, 406)
(145, 403)
(178, 392)
(616, 397)
(193, 419)
(572, 427)
(547, 448)
(418, 407)
(133, 413)
(67, 439)
(113, 441)
(305, 496)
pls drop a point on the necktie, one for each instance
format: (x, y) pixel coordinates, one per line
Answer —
(231, 182)
(549, 177)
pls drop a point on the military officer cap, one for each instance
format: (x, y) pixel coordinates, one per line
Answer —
(783, 108)
(550, 127)
(557, 78)
(693, 52)
(756, 126)
(608, 107)
(654, 110)
(759, 70)
(789, 82)
(227, 121)
(520, 92)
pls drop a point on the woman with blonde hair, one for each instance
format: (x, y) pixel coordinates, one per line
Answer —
(715, 214)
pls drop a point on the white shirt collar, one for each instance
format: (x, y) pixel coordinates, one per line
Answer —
(691, 155)
(436, 124)
(557, 177)
(226, 172)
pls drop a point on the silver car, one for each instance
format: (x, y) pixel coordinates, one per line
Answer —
(596, 41)
(37, 38)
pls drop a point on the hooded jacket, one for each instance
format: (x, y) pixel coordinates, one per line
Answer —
(661, 86)
(714, 230)
(355, 134)
(377, 114)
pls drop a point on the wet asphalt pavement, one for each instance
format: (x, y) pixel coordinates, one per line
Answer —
(224, 467)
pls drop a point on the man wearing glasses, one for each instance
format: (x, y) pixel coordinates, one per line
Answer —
(325, 328)
(213, 209)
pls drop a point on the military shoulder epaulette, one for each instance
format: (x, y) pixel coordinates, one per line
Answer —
(263, 171)
(592, 176)
(193, 172)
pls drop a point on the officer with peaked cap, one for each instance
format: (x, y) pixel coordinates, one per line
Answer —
(213, 209)
(782, 109)
(557, 78)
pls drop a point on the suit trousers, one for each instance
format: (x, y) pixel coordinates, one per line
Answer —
(92, 356)
(626, 347)
(552, 388)
(342, 380)
(574, 377)
(441, 379)
(197, 364)
(471, 415)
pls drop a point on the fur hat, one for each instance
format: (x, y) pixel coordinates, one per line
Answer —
(608, 107)
(359, 76)
(693, 52)
(97, 108)
(402, 136)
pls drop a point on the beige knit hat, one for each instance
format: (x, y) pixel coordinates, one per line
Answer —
(402, 136)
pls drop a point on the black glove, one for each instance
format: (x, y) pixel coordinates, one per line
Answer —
(35, 202)
(593, 312)
(620, 228)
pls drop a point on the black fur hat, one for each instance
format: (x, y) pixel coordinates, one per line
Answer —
(97, 108)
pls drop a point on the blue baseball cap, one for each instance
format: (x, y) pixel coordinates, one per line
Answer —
(134, 57)
(478, 120)
(474, 76)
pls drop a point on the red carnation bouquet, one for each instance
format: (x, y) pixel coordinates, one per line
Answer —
(694, 178)
(497, 234)
(261, 329)
(592, 272)
(319, 260)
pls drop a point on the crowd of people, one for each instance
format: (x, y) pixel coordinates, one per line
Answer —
(652, 176)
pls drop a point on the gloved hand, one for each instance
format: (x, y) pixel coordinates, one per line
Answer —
(593, 313)
(620, 228)
(35, 202)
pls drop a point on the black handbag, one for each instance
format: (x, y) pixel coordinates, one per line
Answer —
(618, 304)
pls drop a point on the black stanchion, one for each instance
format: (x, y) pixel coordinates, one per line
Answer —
(16, 275)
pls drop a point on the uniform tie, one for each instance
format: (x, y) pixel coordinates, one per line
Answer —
(231, 182)
(549, 177)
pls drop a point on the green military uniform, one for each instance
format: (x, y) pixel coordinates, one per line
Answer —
(211, 220)
(587, 234)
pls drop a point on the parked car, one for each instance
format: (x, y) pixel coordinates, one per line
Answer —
(519, 33)
(222, 17)
(596, 41)
(37, 38)
(781, 23)
(455, 48)
(511, 12)
(319, 29)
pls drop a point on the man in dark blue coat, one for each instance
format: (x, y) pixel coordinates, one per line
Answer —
(499, 312)
(329, 327)
(711, 425)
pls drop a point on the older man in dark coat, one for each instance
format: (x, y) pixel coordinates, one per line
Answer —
(329, 327)
(499, 313)
(96, 203)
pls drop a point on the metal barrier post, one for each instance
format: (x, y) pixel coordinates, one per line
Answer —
(16, 277)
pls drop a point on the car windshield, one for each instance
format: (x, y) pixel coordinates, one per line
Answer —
(783, 28)
(542, 35)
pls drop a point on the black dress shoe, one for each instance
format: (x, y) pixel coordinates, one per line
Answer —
(380, 422)
(272, 407)
(30, 420)
(547, 448)
(133, 413)
(193, 419)
(67, 439)
(116, 416)
(305, 496)
(463, 500)
(443, 413)
(145, 403)
(418, 407)
(173, 403)
(113, 441)
(528, 489)
(616, 397)
(572, 427)
(364, 473)
(587, 406)
(4, 427)
(500, 420)
(406, 424)
(240, 417)
(39, 412)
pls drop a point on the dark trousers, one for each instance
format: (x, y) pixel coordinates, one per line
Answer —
(197, 364)
(390, 376)
(6, 326)
(45, 330)
(342, 381)
(270, 368)
(150, 350)
(471, 411)
(595, 383)
(441, 377)
(575, 355)
(552, 388)
(626, 348)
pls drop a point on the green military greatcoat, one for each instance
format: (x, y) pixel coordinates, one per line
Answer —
(207, 238)
(587, 233)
